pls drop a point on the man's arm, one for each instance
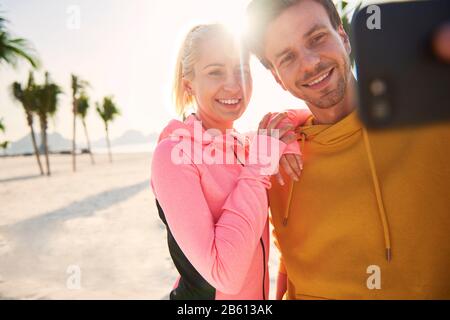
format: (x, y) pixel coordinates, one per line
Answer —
(281, 285)
(282, 274)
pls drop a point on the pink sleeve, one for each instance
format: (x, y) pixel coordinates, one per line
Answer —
(220, 251)
(296, 117)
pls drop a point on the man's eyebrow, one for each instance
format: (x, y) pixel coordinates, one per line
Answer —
(214, 65)
(306, 35)
(313, 29)
(282, 53)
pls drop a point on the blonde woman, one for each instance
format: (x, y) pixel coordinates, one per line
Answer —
(216, 213)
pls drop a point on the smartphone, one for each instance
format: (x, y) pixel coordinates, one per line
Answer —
(400, 80)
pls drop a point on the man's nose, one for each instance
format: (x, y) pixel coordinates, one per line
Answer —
(309, 60)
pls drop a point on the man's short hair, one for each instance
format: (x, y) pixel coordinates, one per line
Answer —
(261, 13)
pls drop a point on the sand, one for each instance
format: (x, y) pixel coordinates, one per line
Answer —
(93, 234)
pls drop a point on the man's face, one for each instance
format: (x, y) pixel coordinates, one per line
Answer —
(309, 57)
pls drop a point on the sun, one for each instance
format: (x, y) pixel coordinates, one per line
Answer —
(232, 15)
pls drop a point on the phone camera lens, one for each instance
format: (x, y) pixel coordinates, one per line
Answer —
(378, 87)
(380, 110)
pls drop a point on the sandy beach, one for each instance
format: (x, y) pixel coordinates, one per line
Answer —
(93, 234)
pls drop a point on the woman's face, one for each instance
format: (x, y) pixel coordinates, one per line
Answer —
(222, 83)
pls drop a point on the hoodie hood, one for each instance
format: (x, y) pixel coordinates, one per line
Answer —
(177, 128)
(330, 134)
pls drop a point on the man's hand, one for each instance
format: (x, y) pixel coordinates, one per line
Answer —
(441, 42)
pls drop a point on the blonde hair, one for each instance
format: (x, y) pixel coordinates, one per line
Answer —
(187, 57)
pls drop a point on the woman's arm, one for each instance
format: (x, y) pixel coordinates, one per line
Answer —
(220, 251)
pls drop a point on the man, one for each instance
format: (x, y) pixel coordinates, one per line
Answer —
(369, 217)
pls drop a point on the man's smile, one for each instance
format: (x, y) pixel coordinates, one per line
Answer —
(320, 81)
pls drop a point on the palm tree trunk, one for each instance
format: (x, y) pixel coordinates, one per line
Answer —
(74, 164)
(88, 142)
(109, 145)
(44, 139)
(33, 139)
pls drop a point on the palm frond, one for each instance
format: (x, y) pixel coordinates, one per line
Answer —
(2, 125)
(108, 111)
(83, 105)
(11, 49)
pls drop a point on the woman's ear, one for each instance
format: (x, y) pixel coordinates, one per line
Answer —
(187, 85)
(345, 39)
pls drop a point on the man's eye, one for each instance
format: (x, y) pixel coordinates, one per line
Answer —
(287, 58)
(318, 38)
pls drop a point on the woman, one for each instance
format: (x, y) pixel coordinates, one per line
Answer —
(216, 211)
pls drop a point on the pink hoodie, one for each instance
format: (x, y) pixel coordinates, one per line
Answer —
(217, 213)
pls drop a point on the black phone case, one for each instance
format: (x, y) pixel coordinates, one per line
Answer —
(400, 80)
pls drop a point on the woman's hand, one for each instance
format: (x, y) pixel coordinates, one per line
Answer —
(292, 163)
(271, 127)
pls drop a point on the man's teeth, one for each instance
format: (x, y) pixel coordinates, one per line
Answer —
(319, 79)
(229, 101)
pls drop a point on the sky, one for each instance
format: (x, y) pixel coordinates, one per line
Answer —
(122, 48)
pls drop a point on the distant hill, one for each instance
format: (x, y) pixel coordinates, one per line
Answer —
(128, 137)
(57, 142)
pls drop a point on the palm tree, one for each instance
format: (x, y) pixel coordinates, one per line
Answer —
(77, 86)
(346, 12)
(82, 109)
(13, 48)
(47, 103)
(27, 97)
(108, 112)
(4, 144)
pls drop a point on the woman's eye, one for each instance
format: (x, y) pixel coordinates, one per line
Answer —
(215, 73)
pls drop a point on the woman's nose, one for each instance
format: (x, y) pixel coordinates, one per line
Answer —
(232, 84)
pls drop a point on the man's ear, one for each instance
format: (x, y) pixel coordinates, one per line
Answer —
(277, 78)
(345, 39)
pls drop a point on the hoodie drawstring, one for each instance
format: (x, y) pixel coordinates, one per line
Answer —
(291, 190)
(376, 185)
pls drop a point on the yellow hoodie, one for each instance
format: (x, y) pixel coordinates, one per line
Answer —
(370, 216)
